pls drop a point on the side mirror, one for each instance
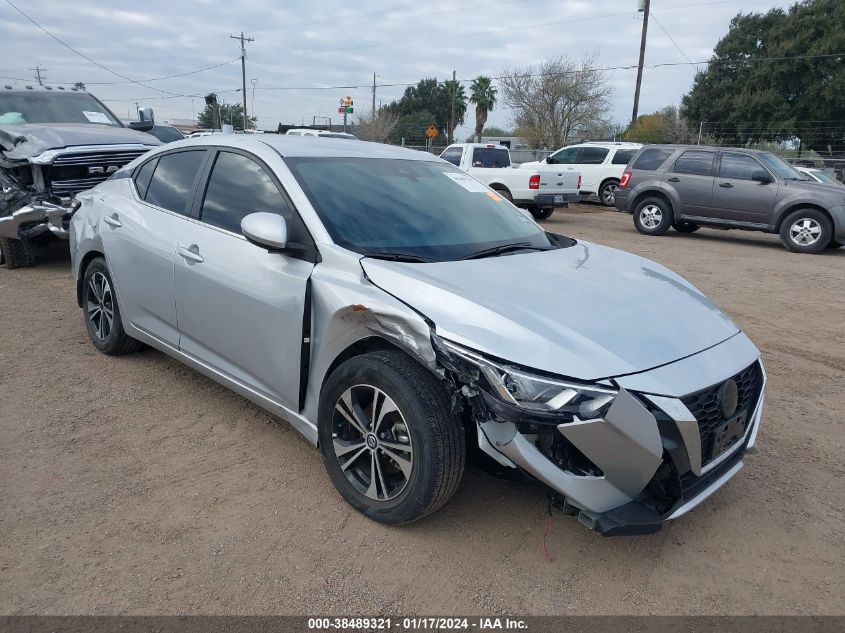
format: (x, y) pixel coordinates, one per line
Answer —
(761, 176)
(146, 120)
(265, 229)
(550, 161)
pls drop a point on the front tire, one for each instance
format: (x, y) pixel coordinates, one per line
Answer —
(14, 254)
(101, 312)
(652, 216)
(607, 193)
(388, 438)
(806, 231)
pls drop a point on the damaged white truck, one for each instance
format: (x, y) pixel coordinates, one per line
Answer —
(55, 143)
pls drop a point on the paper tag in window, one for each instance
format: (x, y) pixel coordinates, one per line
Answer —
(96, 117)
(467, 182)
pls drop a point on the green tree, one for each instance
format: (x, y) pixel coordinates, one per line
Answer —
(429, 95)
(749, 93)
(230, 114)
(455, 90)
(483, 95)
(412, 128)
(663, 126)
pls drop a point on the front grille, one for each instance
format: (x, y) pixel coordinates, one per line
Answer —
(704, 406)
(71, 173)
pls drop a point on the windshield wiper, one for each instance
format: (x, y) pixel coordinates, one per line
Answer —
(397, 257)
(504, 248)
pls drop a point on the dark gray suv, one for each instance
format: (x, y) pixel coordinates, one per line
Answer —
(686, 187)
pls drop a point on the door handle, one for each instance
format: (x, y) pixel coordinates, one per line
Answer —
(726, 185)
(112, 220)
(674, 179)
(191, 253)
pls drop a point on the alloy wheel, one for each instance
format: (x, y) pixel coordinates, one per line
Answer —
(805, 231)
(651, 216)
(608, 194)
(372, 442)
(100, 305)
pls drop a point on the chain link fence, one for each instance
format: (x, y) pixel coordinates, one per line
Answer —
(832, 166)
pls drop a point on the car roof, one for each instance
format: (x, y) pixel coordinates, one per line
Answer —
(676, 146)
(30, 89)
(486, 145)
(609, 144)
(299, 146)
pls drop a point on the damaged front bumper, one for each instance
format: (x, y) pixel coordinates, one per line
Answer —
(36, 218)
(647, 458)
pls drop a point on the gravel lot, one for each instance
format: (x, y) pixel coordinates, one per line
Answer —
(135, 485)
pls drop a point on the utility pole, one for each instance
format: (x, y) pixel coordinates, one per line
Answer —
(374, 97)
(452, 112)
(700, 129)
(37, 70)
(645, 5)
(243, 40)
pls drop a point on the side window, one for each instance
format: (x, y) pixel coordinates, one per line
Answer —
(237, 187)
(143, 175)
(695, 162)
(490, 157)
(738, 166)
(564, 157)
(623, 156)
(592, 155)
(453, 155)
(652, 159)
(172, 185)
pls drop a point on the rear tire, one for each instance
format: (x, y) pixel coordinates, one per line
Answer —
(15, 254)
(833, 244)
(685, 227)
(652, 216)
(806, 231)
(101, 312)
(409, 461)
(607, 193)
(504, 193)
(542, 213)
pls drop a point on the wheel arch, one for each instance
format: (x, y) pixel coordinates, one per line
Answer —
(497, 186)
(797, 206)
(83, 265)
(652, 193)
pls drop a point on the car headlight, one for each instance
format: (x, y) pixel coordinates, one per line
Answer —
(538, 393)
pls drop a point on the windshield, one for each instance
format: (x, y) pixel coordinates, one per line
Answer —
(781, 168)
(421, 209)
(18, 108)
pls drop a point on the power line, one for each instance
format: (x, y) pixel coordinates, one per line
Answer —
(85, 57)
(656, 21)
(38, 76)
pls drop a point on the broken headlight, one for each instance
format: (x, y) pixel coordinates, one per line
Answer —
(538, 393)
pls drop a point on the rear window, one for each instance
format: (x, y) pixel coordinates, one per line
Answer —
(652, 159)
(623, 156)
(695, 162)
(490, 157)
(172, 185)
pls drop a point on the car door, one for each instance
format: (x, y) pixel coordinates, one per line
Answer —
(691, 176)
(562, 160)
(241, 306)
(139, 238)
(737, 196)
(590, 165)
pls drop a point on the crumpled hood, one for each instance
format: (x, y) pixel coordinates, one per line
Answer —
(585, 312)
(27, 141)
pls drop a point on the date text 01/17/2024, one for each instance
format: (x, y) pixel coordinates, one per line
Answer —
(416, 624)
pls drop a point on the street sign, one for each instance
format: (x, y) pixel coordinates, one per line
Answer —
(432, 131)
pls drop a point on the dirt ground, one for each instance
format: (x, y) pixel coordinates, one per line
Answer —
(134, 485)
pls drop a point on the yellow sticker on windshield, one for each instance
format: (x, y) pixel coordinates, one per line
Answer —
(495, 197)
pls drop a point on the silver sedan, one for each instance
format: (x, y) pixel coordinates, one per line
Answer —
(402, 316)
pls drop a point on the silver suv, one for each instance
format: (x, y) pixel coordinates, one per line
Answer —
(686, 187)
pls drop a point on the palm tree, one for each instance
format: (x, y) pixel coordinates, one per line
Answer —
(484, 97)
(455, 92)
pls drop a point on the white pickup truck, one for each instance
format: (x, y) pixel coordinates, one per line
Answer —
(538, 192)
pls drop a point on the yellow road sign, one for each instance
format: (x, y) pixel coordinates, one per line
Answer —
(432, 131)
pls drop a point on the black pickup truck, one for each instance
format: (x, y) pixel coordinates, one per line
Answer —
(55, 143)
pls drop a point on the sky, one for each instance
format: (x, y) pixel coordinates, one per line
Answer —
(301, 46)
